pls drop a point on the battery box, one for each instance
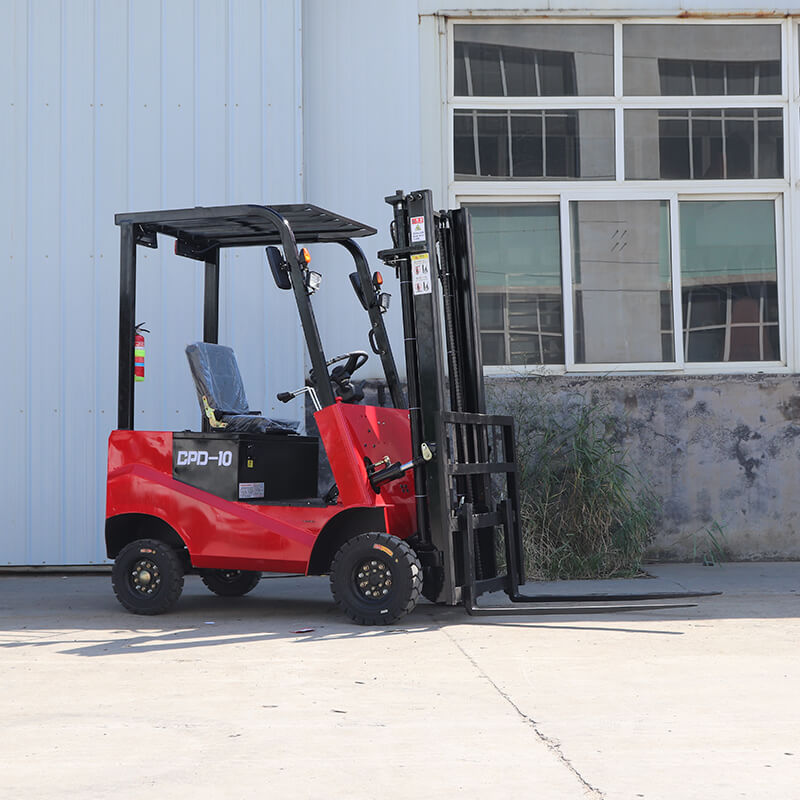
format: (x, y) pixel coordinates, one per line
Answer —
(271, 468)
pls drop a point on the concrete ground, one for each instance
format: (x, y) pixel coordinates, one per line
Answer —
(275, 695)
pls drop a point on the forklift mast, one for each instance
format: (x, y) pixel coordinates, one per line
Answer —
(467, 493)
(472, 478)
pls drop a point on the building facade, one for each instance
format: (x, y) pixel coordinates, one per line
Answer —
(632, 177)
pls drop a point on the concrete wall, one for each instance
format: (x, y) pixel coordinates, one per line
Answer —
(716, 449)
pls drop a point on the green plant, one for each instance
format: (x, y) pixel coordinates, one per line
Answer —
(585, 513)
(709, 545)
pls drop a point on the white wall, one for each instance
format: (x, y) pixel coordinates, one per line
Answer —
(127, 106)
(362, 141)
(144, 104)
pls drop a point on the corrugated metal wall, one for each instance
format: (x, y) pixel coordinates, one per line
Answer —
(128, 105)
(143, 104)
(362, 141)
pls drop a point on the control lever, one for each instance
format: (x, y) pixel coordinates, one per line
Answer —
(285, 397)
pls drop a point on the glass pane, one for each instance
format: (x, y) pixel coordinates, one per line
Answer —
(703, 143)
(491, 309)
(482, 75)
(770, 144)
(675, 77)
(533, 60)
(701, 59)
(494, 348)
(525, 349)
(464, 140)
(739, 144)
(541, 144)
(493, 143)
(729, 280)
(562, 144)
(709, 77)
(667, 339)
(622, 279)
(706, 144)
(518, 267)
(527, 145)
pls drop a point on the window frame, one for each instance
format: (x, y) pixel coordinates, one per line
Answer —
(567, 288)
(781, 190)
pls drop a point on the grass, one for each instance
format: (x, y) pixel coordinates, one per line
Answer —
(585, 513)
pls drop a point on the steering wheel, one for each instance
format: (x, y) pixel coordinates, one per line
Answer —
(355, 360)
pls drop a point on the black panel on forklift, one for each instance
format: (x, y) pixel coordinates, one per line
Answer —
(248, 467)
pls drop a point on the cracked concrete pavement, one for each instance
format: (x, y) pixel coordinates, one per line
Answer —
(275, 694)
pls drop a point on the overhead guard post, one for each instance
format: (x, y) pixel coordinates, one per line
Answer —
(127, 325)
(211, 299)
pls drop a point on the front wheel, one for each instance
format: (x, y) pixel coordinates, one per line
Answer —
(230, 582)
(147, 577)
(376, 579)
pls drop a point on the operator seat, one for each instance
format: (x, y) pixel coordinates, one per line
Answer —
(221, 392)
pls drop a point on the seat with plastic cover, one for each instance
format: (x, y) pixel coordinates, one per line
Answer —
(220, 391)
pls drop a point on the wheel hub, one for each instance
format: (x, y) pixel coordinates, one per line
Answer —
(373, 579)
(145, 576)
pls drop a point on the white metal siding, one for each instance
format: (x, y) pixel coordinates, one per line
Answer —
(362, 141)
(128, 106)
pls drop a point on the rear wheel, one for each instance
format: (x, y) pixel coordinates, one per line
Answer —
(230, 582)
(376, 579)
(147, 577)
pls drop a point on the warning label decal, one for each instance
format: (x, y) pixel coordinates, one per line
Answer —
(417, 229)
(250, 491)
(421, 273)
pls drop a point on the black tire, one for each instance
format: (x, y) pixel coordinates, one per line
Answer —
(376, 579)
(147, 577)
(230, 582)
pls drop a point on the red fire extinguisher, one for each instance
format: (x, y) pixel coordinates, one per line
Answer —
(138, 352)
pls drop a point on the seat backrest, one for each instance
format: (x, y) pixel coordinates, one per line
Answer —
(217, 377)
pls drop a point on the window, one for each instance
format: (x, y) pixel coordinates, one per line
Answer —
(498, 62)
(621, 274)
(704, 143)
(729, 278)
(518, 258)
(628, 186)
(714, 59)
(533, 60)
(533, 144)
(702, 77)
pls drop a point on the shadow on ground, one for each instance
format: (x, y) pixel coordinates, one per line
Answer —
(56, 610)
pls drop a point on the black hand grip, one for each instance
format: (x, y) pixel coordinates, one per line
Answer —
(284, 397)
(373, 344)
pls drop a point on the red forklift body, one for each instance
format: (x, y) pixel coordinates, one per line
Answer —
(220, 533)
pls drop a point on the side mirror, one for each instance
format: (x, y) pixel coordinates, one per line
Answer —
(355, 280)
(278, 266)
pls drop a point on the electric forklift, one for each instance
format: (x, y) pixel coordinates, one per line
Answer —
(425, 500)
